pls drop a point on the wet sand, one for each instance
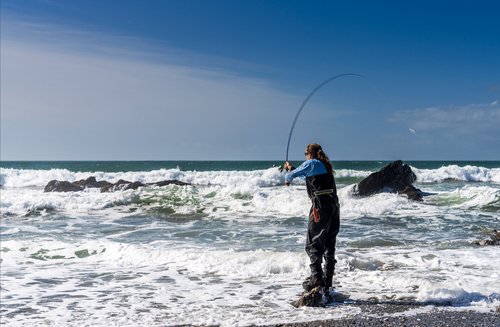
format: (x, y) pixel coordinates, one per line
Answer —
(397, 315)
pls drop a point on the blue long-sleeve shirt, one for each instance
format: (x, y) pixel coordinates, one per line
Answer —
(308, 168)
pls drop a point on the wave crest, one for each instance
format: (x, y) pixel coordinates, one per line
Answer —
(458, 173)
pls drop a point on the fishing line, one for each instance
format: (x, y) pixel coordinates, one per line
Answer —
(307, 99)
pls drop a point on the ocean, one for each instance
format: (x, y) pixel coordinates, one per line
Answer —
(229, 248)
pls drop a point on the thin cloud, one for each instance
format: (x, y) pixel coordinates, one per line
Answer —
(80, 98)
(50, 36)
(466, 119)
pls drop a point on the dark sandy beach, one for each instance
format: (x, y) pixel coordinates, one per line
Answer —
(397, 315)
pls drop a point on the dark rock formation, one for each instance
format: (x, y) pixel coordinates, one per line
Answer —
(320, 297)
(104, 186)
(494, 239)
(396, 177)
(313, 298)
(91, 182)
(412, 193)
(121, 185)
(61, 186)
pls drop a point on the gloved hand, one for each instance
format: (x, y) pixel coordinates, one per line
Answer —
(288, 166)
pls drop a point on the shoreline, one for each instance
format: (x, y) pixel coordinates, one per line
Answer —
(404, 315)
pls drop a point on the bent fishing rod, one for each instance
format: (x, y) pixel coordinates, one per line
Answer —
(307, 99)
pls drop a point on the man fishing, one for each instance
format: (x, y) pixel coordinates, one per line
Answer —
(324, 215)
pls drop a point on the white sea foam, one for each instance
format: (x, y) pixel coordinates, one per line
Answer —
(377, 205)
(22, 201)
(39, 178)
(255, 193)
(469, 196)
(342, 173)
(257, 178)
(214, 201)
(163, 283)
(458, 173)
(197, 285)
(91, 261)
(454, 276)
(22, 191)
(262, 178)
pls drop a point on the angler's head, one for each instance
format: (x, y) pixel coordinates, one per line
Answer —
(313, 151)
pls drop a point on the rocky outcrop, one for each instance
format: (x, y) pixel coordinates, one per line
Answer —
(494, 239)
(91, 182)
(61, 186)
(104, 186)
(412, 193)
(396, 177)
(320, 297)
(313, 298)
(121, 185)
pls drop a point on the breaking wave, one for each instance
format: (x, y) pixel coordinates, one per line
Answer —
(457, 173)
(229, 248)
(247, 193)
(10, 177)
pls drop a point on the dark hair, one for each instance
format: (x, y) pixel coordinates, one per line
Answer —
(317, 152)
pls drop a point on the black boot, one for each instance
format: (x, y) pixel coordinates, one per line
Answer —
(312, 282)
(315, 280)
(329, 271)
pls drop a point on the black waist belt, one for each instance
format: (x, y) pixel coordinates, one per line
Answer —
(323, 192)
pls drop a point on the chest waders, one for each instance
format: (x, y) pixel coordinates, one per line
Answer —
(323, 227)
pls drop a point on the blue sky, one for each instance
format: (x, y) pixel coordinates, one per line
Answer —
(222, 80)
